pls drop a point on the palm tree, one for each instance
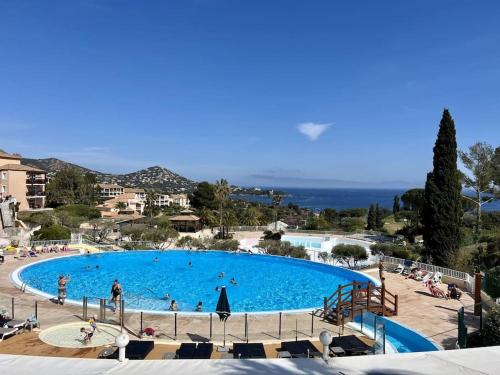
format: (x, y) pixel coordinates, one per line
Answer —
(251, 217)
(207, 217)
(221, 193)
(149, 205)
(277, 199)
(120, 206)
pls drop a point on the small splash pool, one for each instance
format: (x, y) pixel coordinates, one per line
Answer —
(264, 283)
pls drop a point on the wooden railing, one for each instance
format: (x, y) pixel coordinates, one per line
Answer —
(357, 296)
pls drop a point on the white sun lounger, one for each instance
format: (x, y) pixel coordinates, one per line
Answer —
(428, 276)
(4, 332)
(437, 278)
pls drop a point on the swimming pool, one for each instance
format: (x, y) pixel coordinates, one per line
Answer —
(399, 338)
(313, 243)
(265, 283)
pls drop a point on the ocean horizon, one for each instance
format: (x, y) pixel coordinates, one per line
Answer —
(318, 199)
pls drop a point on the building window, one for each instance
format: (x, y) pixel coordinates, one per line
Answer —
(4, 175)
(4, 189)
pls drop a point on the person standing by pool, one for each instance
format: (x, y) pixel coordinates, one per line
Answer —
(116, 292)
(381, 272)
(173, 306)
(61, 289)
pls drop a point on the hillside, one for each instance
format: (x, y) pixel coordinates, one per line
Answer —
(156, 177)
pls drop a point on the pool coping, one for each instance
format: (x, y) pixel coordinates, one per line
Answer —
(16, 280)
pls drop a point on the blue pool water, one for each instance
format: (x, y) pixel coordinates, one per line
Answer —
(401, 338)
(307, 242)
(265, 283)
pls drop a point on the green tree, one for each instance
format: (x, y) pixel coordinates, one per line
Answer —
(372, 218)
(495, 166)
(277, 199)
(89, 192)
(120, 206)
(442, 213)
(251, 216)
(207, 217)
(379, 217)
(395, 204)
(413, 200)
(491, 328)
(53, 232)
(351, 255)
(65, 188)
(150, 207)
(479, 177)
(204, 196)
(221, 193)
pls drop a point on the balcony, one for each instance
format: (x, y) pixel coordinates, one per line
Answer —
(36, 181)
(35, 193)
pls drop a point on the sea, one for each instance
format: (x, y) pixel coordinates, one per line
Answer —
(340, 198)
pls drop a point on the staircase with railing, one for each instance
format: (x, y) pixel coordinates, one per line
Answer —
(349, 299)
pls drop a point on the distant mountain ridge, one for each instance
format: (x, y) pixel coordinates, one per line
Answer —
(156, 177)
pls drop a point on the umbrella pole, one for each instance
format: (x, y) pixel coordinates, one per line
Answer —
(224, 333)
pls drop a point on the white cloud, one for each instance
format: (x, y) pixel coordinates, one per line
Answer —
(312, 130)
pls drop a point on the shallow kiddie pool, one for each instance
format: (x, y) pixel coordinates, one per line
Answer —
(264, 283)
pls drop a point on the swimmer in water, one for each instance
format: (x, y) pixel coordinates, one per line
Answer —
(156, 260)
(233, 281)
(166, 297)
(216, 288)
(221, 275)
(190, 264)
(97, 267)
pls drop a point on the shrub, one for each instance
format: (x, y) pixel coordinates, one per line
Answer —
(349, 254)
(392, 250)
(227, 244)
(188, 241)
(53, 232)
(283, 248)
(491, 328)
(80, 210)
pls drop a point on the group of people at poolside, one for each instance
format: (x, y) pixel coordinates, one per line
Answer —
(452, 293)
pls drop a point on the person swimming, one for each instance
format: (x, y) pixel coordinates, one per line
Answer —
(221, 275)
(155, 260)
(216, 288)
(166, 297)
(199, 307)
(233, 281)
(190, 264)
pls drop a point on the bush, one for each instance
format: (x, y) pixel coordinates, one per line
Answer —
(44, 219)
(191, 242)
(224, 244)
(80, 210)
(349, 254)
(352, 224)
(284, 248)
(270, 235)
(392, 250)
(53, 232)
(491, 328)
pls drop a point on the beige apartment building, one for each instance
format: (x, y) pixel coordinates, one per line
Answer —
(24, 183)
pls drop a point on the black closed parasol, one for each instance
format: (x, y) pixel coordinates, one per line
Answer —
(223, 309)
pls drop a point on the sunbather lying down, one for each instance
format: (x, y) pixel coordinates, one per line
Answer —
(435, 291)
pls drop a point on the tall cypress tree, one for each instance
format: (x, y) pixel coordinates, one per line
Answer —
(395, 205)
(379, 223)
(371, 220)
(442, 212)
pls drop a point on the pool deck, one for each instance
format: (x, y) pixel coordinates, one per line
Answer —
(433, 317)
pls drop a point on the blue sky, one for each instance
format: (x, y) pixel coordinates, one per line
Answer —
(274, 93)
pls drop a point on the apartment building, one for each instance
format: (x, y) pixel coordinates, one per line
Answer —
(111, 190)
(23, 182)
